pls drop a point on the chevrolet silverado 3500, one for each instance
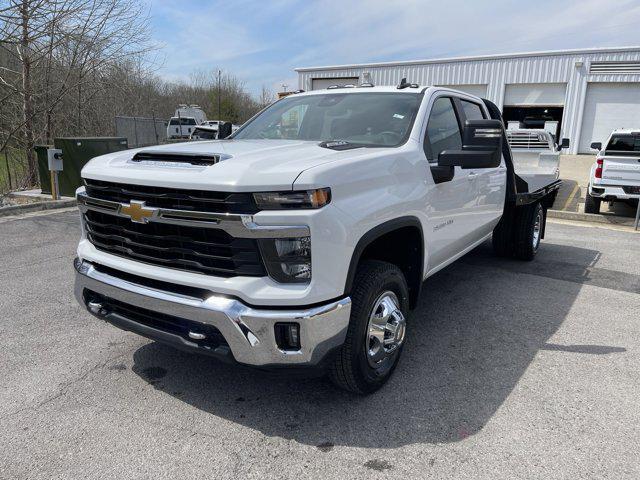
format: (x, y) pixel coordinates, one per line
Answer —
(303, 240)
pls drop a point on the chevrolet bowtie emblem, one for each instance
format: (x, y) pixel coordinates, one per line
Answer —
(137, 212)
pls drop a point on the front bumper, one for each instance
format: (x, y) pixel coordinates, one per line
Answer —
(249, 333)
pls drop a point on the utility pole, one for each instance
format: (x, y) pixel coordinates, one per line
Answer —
(219, 75)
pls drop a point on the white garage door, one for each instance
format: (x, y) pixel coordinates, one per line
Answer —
(608, 106)
(477, 90)
(320, 83)
(548, 94)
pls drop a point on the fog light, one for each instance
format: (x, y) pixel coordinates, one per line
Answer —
(287, 336)
(288, 260)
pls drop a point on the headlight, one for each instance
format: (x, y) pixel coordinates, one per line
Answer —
(288, 260)
(299, 199)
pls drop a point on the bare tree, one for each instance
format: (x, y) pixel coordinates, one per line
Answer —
(266, 97)
(68, 67)
(62, 46)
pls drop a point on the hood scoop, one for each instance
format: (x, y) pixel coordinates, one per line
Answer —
(177, 158)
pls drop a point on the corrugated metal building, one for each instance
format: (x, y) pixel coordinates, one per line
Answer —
(589, 92)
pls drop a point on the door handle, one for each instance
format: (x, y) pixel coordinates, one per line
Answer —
(472, 176)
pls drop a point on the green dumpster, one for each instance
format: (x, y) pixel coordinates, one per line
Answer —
(76, 152)
(43, 168)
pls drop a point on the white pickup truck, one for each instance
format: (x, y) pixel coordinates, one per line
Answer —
(615, 175)
(303, 240)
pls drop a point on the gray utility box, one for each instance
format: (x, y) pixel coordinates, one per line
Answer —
(54, 159)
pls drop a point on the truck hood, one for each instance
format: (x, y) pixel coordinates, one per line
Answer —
(246, 165)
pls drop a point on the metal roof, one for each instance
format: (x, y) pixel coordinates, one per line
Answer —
(475, 58)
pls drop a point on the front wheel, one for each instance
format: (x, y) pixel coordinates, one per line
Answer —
(377, 328)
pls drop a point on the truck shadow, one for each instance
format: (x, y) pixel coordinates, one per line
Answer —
(472, 337)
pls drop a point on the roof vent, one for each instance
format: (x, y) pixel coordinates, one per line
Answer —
(629, 67)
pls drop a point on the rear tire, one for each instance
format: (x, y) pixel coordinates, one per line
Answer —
(529, 228)
(364, 364)
(591, 204)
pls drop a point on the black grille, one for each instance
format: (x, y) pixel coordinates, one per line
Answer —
(174, 198)
(204, 250)
(160, 321)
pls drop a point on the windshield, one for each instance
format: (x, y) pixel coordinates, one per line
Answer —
(376, 119)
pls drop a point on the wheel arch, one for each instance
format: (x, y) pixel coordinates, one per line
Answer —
(410, 260)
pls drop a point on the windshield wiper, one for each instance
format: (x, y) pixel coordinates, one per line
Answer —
(340, 145)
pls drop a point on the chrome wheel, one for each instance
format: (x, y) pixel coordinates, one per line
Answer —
(537, 229)
(386, 329)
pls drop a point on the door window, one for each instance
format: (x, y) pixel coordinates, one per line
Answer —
(443, 129)
(472, 111)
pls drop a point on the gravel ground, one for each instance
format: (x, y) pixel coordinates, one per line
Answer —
(511, 370)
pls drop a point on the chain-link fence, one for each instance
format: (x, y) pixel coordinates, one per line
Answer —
(141, 131)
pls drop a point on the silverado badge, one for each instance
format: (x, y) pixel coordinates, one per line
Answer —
(137, 211)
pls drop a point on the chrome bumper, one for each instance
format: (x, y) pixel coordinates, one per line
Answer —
(249, 332)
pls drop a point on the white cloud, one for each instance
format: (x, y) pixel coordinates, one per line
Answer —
(262, 42)
(380, 30)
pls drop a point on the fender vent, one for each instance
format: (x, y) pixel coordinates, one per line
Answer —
(181, 158)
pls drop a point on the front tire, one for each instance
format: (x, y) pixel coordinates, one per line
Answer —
(376, 332)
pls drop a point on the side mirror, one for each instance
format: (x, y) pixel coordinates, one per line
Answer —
(481, 146)
(596, 146)
(224, 130)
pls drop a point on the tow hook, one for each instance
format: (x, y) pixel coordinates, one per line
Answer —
(97, 308)
(197, 336)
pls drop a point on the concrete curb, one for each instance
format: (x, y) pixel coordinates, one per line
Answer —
(36, 207)
(591, 217)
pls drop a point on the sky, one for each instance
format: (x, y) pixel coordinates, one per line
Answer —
(261, 42)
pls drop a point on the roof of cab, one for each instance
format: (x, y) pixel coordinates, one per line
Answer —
(635, 131)
(380, 89)
(365, 89)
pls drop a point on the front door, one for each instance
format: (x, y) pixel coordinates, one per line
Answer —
(490, 183)
(451, 204)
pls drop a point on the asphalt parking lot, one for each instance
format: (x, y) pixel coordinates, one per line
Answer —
(511, 370)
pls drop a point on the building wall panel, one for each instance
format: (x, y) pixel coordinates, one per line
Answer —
(571, 67)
